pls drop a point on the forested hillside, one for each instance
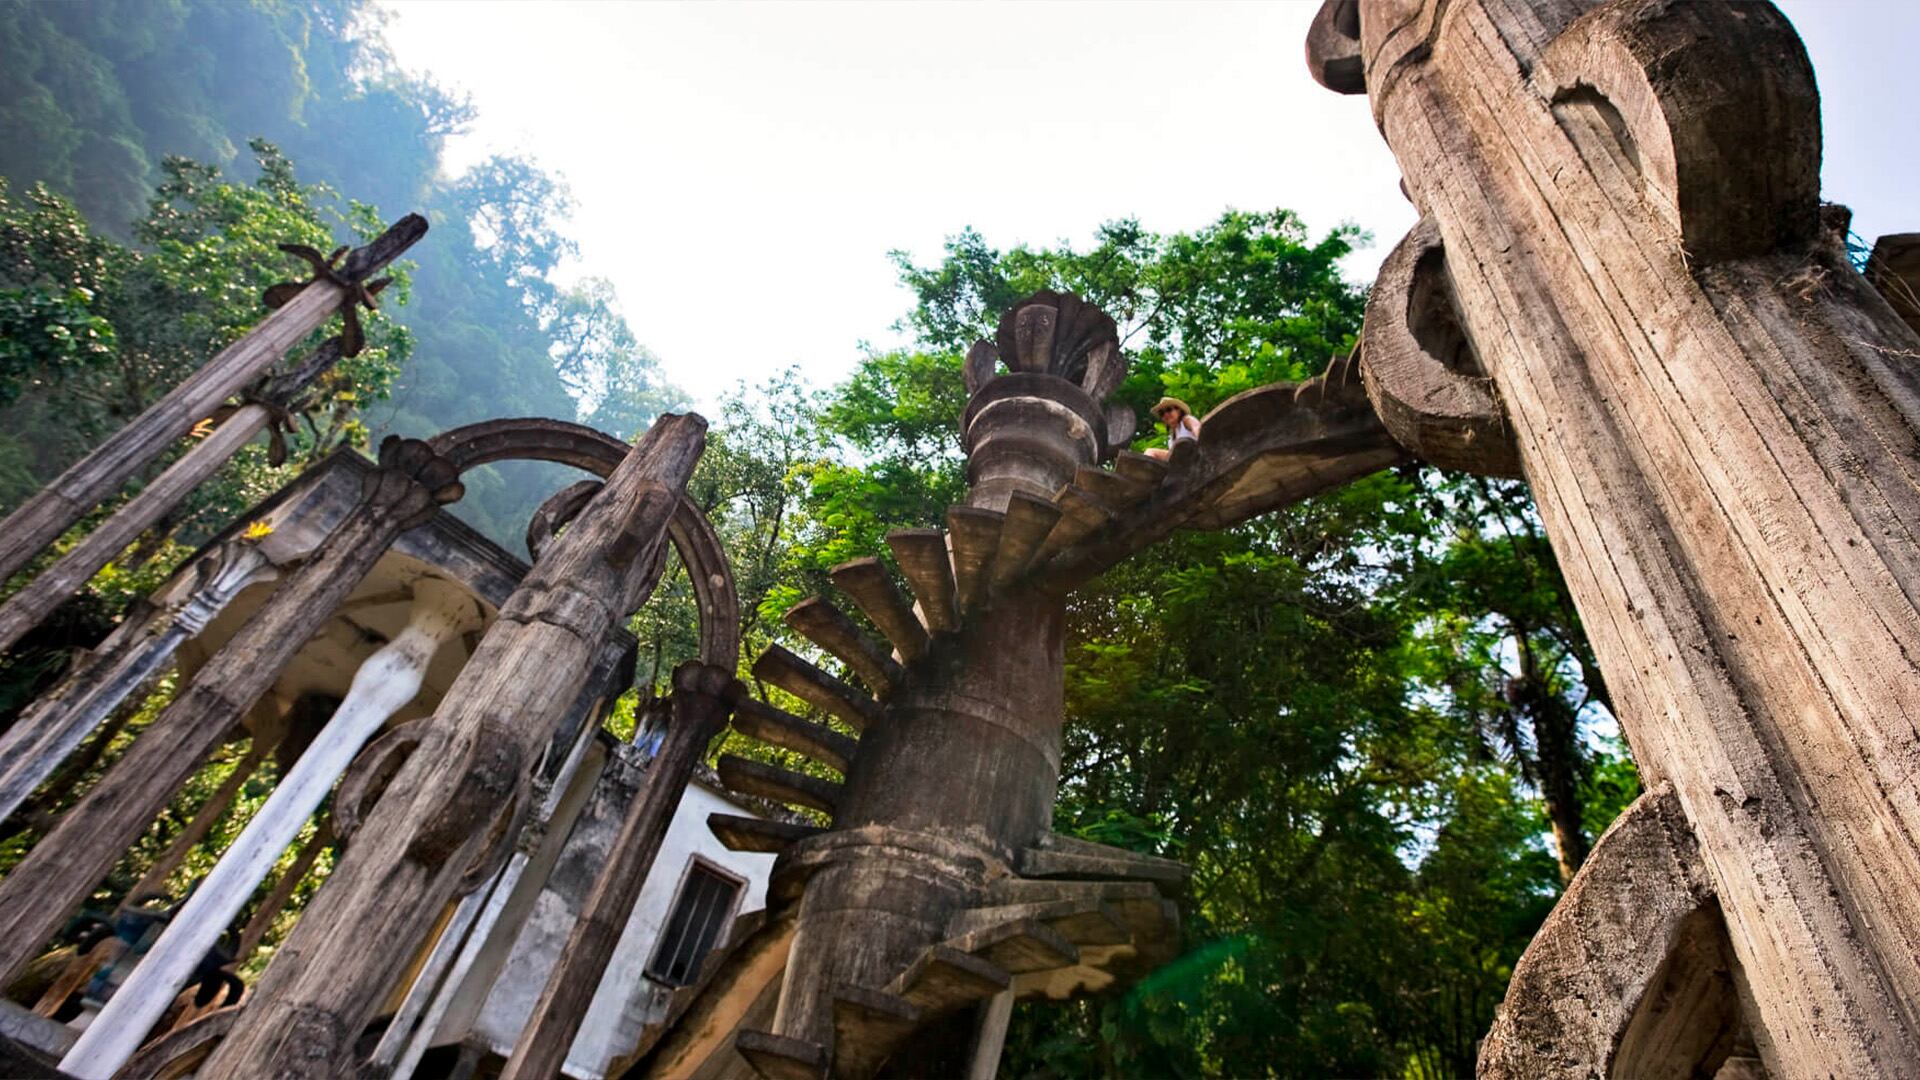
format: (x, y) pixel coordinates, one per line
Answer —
(95, 96)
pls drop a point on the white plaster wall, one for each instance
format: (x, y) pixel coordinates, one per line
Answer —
(493, 1003)
(484, 981)
(626, 1000)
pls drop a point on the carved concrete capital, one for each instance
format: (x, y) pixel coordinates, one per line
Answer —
(553, 515)
(1421, 370)
(411, 483)
(218, 578)
(491, 775)
(1715, 108)
(1028, 429)
(1640, 912)
(1687, 92)
(499, 843)
(366, 779)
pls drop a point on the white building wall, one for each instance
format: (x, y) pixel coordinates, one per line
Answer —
(500, 995)
(627, 1000)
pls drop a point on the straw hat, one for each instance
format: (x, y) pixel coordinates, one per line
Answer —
(1166, 403)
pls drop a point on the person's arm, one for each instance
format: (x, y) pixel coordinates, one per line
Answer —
(1192, 424)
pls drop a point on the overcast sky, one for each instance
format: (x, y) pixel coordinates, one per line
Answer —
(741, 170)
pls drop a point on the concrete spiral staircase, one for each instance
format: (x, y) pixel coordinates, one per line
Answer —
(1037, 913)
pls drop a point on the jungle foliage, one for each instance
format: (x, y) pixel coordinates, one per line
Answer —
(147, 173)
(93, 330)
(96, 97)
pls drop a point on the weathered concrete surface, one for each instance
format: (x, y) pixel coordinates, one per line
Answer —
(958, 774)
(1641, 900)
(1894, 269)
(63, 868)
(902, 916)
(41, 519)
(1720, 422)
(472, 769)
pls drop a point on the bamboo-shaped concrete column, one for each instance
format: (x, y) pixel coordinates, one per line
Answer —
(470, 927)
(703, 697)
(25, 609)
(60, 721)
(410, 485)
(463, 781)
(384, 683)
(458, 948)
(41, 519)
(1720, 421)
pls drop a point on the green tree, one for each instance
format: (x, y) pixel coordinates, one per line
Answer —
(1279, 704)
(140, 319)
(96, 94)
(1506, 645)
(1248, 300)
(614, 380)
(120, 325)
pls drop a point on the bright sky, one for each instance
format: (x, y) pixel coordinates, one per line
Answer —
(741, 170)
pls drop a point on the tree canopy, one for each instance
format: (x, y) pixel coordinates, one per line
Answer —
(96, 97)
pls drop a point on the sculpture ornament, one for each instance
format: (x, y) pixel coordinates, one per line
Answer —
(352, 278)
(453, 453)
(412, 482)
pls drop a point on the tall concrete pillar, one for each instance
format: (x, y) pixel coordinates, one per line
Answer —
(40, 520)
(1624, 250)
(410, 486)
(55, 726)
(464, 781)
(385, 682)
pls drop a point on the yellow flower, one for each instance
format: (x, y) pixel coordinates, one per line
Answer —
(202, 429)
(257, 530)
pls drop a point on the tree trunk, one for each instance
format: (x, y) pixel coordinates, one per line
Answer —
(1557, 761)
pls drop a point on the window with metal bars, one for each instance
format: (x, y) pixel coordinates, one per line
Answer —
(695, 923)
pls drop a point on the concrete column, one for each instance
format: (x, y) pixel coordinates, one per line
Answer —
(385, 682)
(64, 867)
(40, 520)
(990, 1036)
(276, 901)
(473, 765)
(416, 1023)
(24, 609)
(969, 749)
(62, 719)
(37, 599)
(703, 697)
(1719, 419)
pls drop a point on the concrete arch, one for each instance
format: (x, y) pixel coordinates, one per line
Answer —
(540, 439)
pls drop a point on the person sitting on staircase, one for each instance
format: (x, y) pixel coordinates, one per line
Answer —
(1180, 422)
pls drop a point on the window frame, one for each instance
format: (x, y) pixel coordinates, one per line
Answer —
(654, 969)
